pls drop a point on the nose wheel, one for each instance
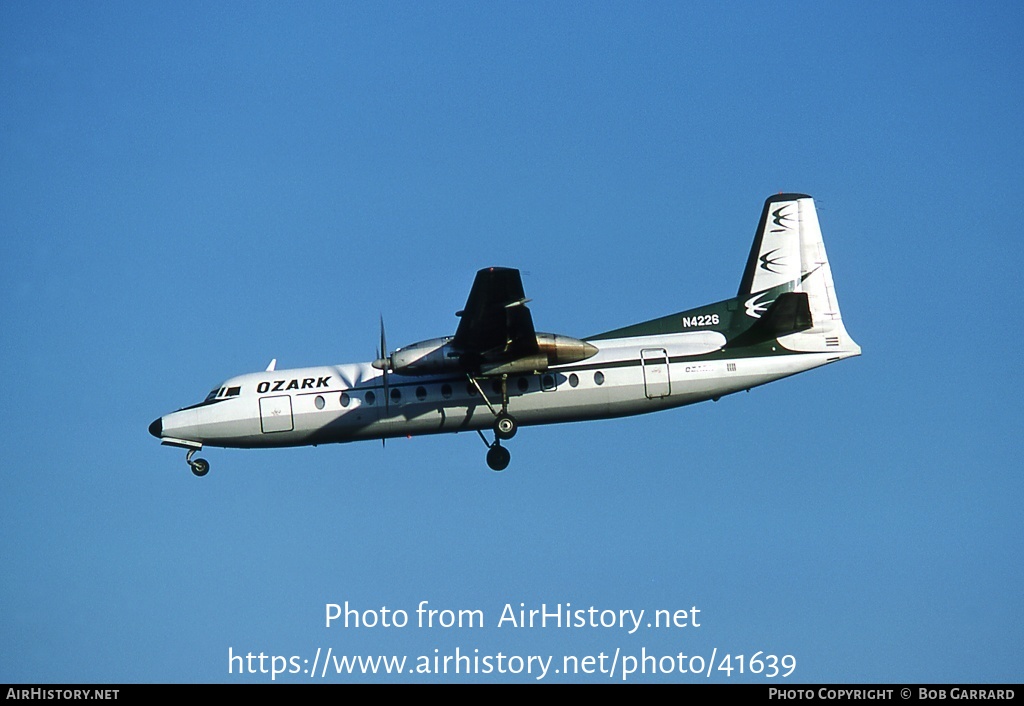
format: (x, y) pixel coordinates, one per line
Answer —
(200, 467)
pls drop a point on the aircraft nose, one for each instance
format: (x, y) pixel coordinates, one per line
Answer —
(157, 427)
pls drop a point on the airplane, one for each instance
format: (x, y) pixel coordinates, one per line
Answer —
(497, 373)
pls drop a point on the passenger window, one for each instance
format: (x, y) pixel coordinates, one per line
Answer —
(370, 397)
(599, 377)
(421, 393)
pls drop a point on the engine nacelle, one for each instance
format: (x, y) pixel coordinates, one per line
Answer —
(438, 355)
(552, 349)
(560, 350)
(426, 358)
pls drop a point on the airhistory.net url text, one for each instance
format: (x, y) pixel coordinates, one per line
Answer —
(326, 664)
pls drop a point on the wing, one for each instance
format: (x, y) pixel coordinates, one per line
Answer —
(496, 323)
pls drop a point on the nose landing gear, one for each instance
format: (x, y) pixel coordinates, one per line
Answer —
(200, 467)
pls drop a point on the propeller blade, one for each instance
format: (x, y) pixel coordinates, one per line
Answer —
(385, 358)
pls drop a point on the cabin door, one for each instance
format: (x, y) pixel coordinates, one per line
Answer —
(655, 365)
(276, 414)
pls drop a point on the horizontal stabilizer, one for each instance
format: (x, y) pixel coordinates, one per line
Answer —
(789, 313)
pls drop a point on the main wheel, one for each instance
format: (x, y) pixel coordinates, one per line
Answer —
(200, 467)
(505, 426)
(498, 458)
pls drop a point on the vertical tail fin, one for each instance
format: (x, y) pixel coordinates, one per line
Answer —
(788, 255)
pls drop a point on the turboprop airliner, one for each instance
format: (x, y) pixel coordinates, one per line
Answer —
(497, 373)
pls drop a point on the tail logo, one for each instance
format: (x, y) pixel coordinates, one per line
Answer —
(781, 219)
(768, 262)
(755, 308)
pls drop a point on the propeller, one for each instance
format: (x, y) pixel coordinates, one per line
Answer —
(383, 363)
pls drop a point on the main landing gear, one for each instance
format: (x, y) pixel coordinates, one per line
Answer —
(505, 427)
(200, 467)
(498, 457)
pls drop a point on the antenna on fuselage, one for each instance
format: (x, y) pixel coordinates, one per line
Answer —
(272, 366)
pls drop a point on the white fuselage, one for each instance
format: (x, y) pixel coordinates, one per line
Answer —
(330, 404)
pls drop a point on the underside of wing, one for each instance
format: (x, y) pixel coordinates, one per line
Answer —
(496, 322)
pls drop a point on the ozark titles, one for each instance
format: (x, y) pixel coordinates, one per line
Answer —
(293, 384)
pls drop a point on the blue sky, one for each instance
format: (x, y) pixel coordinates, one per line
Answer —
(188, 190)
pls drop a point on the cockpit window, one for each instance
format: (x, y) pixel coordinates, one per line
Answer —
(217, 394)
(222, 392)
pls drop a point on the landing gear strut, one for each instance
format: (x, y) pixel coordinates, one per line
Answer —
(200, 467)
(505, 427)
